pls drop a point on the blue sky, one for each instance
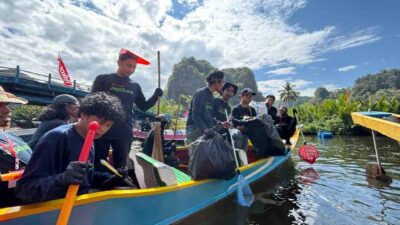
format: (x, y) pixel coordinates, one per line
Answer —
(311, 43)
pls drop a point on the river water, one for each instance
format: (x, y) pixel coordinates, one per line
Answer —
(334, 190)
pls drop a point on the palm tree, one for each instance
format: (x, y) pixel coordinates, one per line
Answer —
(288, 94)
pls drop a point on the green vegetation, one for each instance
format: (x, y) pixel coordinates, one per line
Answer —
(335, 114)
(288, 94)
(24, 115)
(189, 75)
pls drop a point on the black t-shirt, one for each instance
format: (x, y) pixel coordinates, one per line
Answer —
(238, 112)
(54, 151)
(272, 111)
(129, 92)
(219, 109)
(201, 109)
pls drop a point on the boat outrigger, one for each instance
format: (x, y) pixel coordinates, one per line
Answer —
(385, 123)
(168, 203)
(374, 121)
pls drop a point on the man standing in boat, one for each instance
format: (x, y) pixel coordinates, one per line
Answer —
(129, 92)
(54, 166)
(201, 117)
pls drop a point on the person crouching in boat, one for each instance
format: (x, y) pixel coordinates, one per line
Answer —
(64, 108)
(54, 166)
(286, 125)
(201, 118)
(240, 114)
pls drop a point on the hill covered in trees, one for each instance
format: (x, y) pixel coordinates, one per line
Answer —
(387, 80)
(189, 75)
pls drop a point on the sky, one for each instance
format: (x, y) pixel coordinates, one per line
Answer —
(310, 43)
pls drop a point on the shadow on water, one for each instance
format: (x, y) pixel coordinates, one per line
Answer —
(334, 190)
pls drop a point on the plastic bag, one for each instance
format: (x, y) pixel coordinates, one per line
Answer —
(244, 194)
(264, 137)
(211, 158)
(308, 153)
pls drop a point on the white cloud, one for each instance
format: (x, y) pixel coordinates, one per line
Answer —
(89, 33)
(283, 71)
(305, 87)
(347, 68)
(273, 86)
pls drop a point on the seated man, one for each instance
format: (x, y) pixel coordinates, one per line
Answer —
(240, 114)
(10, 159)
(54, 166)
(221, 105)
(63, 109)
(286, 125)
(272, 111)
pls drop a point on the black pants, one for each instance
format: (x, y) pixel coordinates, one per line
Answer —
(120, 147)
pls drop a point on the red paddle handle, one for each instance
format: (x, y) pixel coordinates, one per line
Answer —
(73, 188)
(93, 126)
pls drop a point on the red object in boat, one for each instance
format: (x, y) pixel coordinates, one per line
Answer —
(308, 153)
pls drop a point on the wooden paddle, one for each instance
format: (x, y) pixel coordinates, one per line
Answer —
(73, 188)
(157, 152)
(244, 194)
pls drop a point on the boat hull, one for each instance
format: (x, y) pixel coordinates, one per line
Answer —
(136, 207)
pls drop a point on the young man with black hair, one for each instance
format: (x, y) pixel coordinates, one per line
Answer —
(54, 166)
(241, 113)
(129, 92)
(272, 111)
(64, 108)
(201, 118)
(221, 104)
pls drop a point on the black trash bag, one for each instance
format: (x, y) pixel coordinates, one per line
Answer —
(264, 137)
(211, 157)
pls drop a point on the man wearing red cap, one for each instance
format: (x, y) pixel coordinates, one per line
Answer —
(119, 84)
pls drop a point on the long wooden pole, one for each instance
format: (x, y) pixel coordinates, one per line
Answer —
(159, 81)
(157, 153)
(73, 188)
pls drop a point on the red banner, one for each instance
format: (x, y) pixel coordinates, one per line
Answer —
(62, 70)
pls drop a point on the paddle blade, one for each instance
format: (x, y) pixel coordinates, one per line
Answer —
(244, 194)
(308, 153)
(157, 153)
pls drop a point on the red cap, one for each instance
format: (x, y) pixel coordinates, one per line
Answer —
(132, 55)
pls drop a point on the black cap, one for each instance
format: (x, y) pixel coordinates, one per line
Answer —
(65, 99)
(247, 91)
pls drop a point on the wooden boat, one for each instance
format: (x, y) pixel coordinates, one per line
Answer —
(160, 205)
(374, 121)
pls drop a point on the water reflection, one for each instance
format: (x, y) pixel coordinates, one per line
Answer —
(334, 190)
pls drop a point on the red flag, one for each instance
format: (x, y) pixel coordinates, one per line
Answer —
(62, 70)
